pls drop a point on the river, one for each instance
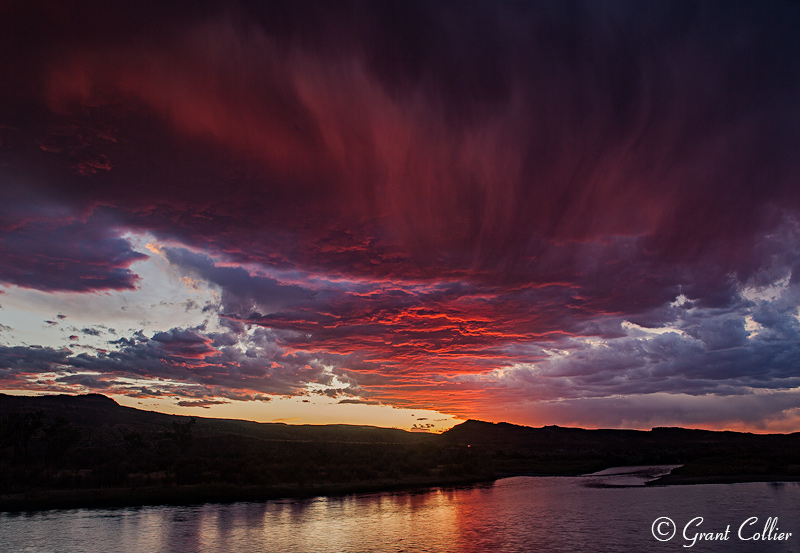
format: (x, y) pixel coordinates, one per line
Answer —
(610, 511)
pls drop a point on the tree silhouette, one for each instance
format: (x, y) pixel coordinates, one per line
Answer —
(182, 433)
(16, 431)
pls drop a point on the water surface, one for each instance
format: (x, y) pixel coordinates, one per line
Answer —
(605, 512)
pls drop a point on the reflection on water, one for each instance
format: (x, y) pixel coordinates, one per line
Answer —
(608, 511)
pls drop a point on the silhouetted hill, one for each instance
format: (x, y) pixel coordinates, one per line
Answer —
(557, 450)
(88, 450)
(94, 411)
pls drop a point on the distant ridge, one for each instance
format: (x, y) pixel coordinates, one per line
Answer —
(97, 410)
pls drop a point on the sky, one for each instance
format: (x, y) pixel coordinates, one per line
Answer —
(405, 213)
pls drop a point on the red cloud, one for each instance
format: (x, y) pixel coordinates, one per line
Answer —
(426, 200)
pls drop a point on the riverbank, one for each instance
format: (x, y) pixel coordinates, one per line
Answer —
(685, 480)
(43, 500)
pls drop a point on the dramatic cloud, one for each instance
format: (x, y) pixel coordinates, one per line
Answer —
(181, 362)
(416, 204)
(59, 252)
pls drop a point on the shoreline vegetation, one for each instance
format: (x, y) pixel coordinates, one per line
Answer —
(679, 480)
(191, 494)
(62, 452)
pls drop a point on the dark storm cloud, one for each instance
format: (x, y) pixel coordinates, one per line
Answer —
(63, 253)
(184, 343)
(579, 122)
(242, 292)
(425, 190)
(557, 143)
(34, 358)
(87, 381)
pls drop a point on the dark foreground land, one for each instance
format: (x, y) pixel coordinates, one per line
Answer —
(88, 451)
